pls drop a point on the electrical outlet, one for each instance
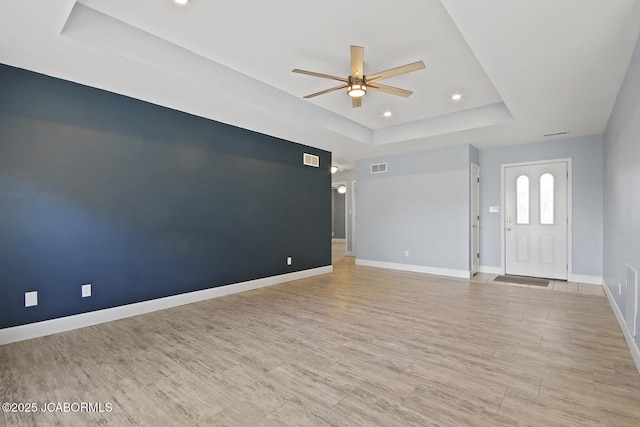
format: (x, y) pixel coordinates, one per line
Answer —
(30, 299)
(86, 290)
(289, 260)
(406, 253)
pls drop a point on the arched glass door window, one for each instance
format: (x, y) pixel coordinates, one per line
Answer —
(522, 196)
(546, 199)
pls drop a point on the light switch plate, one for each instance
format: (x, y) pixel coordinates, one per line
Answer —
(30, 298)
(494, 209)
(86, 290)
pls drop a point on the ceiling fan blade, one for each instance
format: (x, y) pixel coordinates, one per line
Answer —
(356, 102)
(357, 61)
(390, 90)
(404, 69)
(326, 91)
(324, 76)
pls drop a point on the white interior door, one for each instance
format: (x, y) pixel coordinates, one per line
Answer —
(475, 219)
(536, 220)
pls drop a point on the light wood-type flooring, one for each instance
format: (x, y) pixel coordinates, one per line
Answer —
(361, 346)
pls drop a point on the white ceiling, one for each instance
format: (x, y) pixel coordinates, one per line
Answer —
(525, 68)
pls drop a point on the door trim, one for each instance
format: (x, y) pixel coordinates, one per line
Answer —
(475, 210)
(353, 220)
(503, 238)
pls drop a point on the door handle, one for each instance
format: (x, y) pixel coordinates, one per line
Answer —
(508, 228)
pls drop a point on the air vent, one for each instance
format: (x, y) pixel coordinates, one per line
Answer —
(311, 160)
(556, 134)
(379, 168)
(631, 315)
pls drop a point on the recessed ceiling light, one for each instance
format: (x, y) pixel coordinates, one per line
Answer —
(388, 113)
(181, 1)
(456, 97)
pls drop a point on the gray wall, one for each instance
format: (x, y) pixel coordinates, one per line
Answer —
(474, 155)
(622, 184)
(421, 205)
(586, 155)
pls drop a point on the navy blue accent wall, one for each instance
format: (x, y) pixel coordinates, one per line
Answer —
(142, 201)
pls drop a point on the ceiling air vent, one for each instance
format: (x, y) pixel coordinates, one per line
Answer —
(379, 168)
(311, 160)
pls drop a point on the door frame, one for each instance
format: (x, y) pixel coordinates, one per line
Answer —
(475, 210)
(353, 219)
(503, 237)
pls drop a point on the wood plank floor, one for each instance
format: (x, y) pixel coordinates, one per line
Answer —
(361, 346)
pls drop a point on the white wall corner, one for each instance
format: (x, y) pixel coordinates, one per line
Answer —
(77, 321)
(582, 278)
(490, 269)
(633, 347)
(462, 274)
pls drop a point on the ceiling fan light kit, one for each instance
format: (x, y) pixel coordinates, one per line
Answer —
(356, 90)
(357, 86)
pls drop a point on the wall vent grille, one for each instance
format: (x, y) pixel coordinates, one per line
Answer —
(311, 160)
(631, 315)
(379, 168)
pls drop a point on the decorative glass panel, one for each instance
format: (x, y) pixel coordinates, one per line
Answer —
(546, 199)
(522, 195)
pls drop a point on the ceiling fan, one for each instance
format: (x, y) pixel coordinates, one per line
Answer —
(358, 83)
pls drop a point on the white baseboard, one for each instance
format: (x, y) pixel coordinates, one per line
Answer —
(339, 240)
(463, 274)
(633, 347)
(62, 324)
(581, 278)
(489, 269)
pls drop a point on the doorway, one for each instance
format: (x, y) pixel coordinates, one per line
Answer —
(536, 220)
(338, 220)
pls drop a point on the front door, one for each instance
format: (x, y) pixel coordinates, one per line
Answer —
(536, 220)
